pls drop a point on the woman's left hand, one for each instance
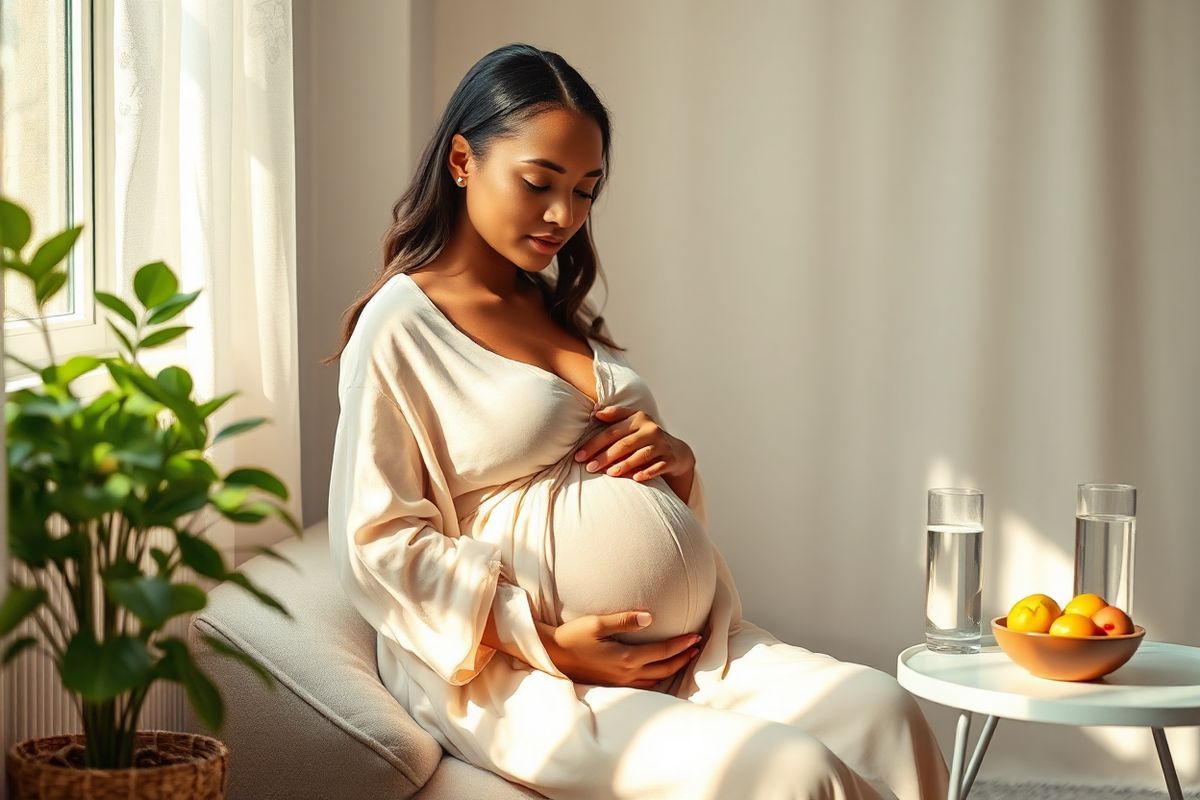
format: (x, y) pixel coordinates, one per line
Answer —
(634, 445)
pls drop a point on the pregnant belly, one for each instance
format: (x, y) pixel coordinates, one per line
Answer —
(621, 545)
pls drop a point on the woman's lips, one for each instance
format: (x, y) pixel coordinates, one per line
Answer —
(544, 246)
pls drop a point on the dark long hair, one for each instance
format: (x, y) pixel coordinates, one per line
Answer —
(498, 94)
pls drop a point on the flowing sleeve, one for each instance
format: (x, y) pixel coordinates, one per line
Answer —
(426, 591)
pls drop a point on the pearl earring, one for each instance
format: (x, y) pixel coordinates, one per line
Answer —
(460, 180)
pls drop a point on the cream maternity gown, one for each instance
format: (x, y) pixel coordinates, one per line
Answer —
(455, 491)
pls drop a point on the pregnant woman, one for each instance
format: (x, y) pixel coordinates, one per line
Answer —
(510, 513)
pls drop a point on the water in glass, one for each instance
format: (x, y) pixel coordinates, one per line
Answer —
(953, 619)
(1104, 550)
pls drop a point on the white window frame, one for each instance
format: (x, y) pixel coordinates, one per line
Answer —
(91, 141)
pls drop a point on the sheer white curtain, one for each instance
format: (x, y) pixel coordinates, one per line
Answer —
(204, 179)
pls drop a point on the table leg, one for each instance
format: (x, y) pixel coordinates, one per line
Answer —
(985, 738)
(1168, 764)
(960, 755)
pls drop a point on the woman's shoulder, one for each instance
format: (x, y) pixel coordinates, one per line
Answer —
(390, 325)
(396, 310)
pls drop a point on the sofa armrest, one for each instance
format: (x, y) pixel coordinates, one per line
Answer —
(330, 726)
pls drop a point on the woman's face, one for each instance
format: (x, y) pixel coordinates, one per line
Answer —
(537, 184)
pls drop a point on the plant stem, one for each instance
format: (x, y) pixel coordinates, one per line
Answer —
(100, 731)
(60, 627)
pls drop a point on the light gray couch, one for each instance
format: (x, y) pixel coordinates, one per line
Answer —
(329, 729)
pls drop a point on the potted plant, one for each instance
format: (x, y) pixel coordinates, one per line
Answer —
(89, 481)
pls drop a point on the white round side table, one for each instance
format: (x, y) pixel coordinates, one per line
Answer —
(1158, 688)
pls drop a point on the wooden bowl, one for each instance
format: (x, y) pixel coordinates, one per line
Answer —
(1067, 658)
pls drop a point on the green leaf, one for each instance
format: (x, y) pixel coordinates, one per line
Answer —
(42, 406)
(48, 285)
(71, 546)
(150, 387)
(121, 570)
(12, 263)
(200, 556)
(177, 665)
(52, 252)
(154, 284)
(255, 511)
(118, 487)
(250, 476)
(18, 452)
(171, 308)
(275, 554)
(19, 604)
(164, 336)
(140, 454)
(238, 427)
(114, 303)
(222, 647)
(107, 497)
(100, 672)
(175, 380)
(289, 520)
(181, 497)
(190, 465)
(207, 409)
(162, 558)
(75, 366)
(229, 498)
(155, 600)
(124, 339)
(240, 579)
(15, 649)
(15, 226)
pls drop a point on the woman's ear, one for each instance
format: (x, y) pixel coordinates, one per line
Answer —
(461, 161)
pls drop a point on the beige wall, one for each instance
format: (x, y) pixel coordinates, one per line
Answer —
(858, 249)
(362, 90)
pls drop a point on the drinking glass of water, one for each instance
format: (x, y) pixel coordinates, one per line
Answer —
(1105, 516)
(953, 591)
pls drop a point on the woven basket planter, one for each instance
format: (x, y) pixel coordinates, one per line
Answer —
(168, 766)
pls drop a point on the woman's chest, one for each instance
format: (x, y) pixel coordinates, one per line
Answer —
(506, 420)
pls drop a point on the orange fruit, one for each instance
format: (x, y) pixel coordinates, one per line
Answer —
(1085, 604)
(1075, 625)
(1113, 621)
(1033, 614)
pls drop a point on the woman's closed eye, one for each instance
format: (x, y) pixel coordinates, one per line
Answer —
(533, 187)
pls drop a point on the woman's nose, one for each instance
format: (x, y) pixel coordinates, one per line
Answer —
(560, 214)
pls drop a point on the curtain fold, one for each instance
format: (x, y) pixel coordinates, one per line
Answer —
(204, 179)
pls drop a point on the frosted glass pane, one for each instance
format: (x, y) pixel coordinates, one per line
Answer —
(34, 144)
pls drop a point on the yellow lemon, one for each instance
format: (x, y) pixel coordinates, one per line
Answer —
(1034, 613)
(1085, 605)
(1075, 625)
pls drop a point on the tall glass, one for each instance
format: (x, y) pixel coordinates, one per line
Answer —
(953, 590)
(1105, 518)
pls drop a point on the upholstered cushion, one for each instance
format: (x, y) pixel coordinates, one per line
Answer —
(329, 729)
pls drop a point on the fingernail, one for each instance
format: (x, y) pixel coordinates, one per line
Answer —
(593, 466)
(694, 653)
(643, 618)
(694, 639)
(580, 456)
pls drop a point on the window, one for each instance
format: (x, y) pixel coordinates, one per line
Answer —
(53, 162)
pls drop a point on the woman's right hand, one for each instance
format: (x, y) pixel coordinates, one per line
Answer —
(584, 651)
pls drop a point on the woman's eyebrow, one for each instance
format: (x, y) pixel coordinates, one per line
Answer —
(541, 162)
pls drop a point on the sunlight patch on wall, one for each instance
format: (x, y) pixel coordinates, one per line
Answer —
(1029, 563)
